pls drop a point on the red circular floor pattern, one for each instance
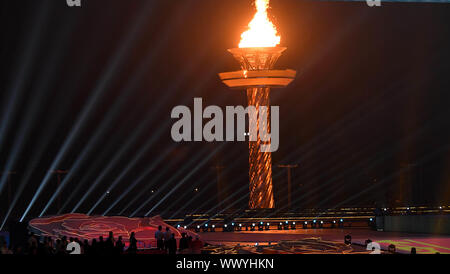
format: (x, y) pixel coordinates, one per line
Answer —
(87, 227)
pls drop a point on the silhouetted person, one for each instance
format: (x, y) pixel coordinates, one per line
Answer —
(413, 250)
(189, 241)
(172, 244)
(183, 242)
(47, 247)
(159, 238)
(132, 249)
(32, 245)
(59, 247)
(101, 246)
(41, 248)
(167, 238)
(109, 244)
(86, 248)
(348, 239)
(94, 247)
(119, 246)
(64, 242)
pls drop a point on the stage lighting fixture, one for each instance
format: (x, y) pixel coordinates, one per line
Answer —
(178, 226)
(372, 223)
(197, 228)
(286, 225)
(260, 226)
(280, 226)
(267, 226)
(348, 239)
(226, 228)
(333, 224)
(205, 228)
(239, 228)
(253, 227)
(314, 224)
(185, 227)
(341, 223)
(305, 225)
(321, 224)
(293, 225)
(233, 227)
(213, 228)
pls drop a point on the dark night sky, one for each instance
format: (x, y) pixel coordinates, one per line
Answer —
(371, 97)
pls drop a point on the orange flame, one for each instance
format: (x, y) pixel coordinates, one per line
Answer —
(261, 32)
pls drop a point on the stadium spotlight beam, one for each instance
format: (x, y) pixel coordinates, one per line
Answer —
(112, 113)
(137, 181)
(125, 172)
(138, 132)
(42, 88)
(197, 89)
(88, 148)
(24, 64)
(140, 73)
(323, 175)
(180, 172)
(43, 141)
(101, 87)
(101, 157)
(382, 156)
(174, 86)
(192, 172)
(227, 169)
(394, 174)
(17, 91)
(375, 161)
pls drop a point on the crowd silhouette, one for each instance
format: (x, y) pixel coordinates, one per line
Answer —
(166, 244)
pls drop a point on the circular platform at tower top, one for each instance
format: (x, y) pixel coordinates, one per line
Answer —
(257, 69)
(258, 78)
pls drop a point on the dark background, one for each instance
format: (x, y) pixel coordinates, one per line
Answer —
(367, 118)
